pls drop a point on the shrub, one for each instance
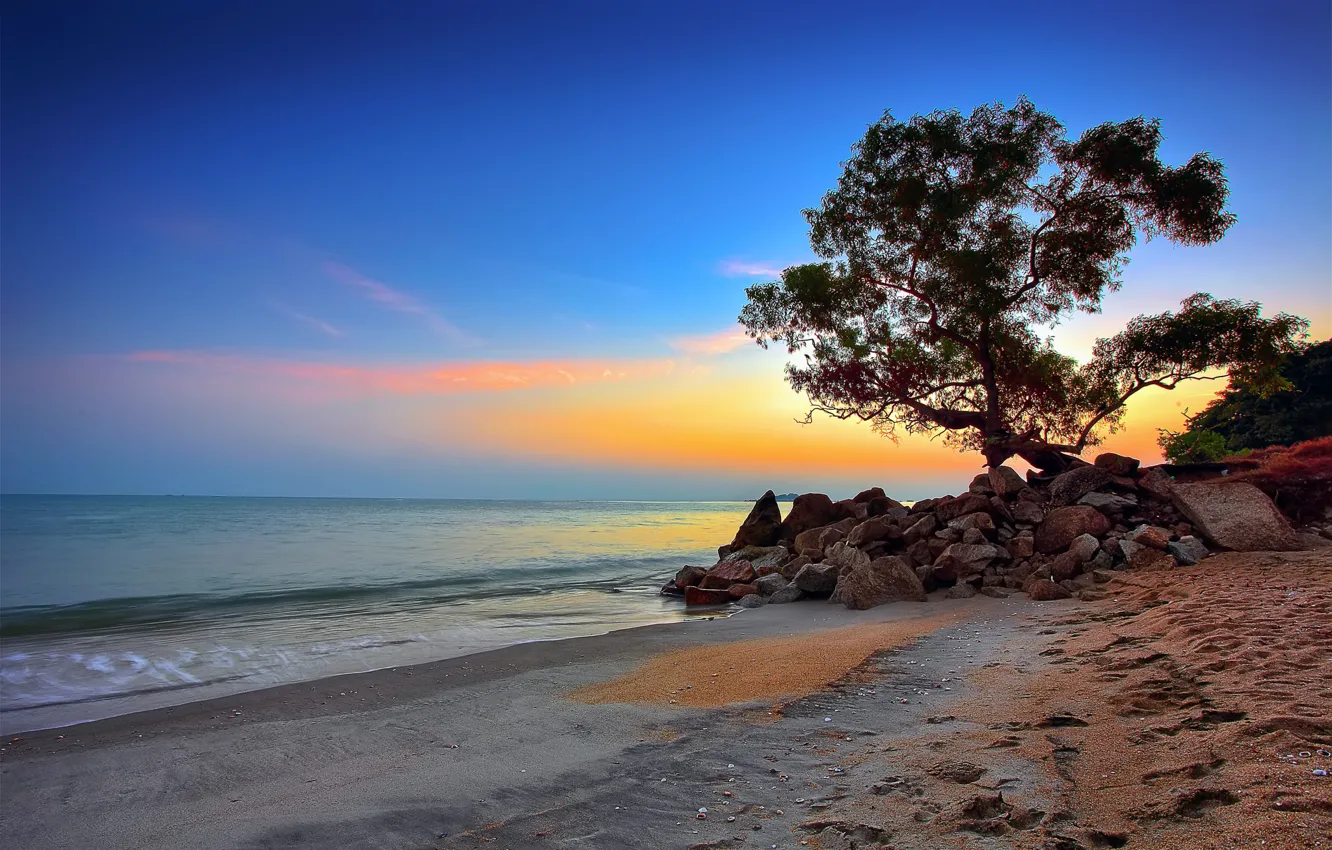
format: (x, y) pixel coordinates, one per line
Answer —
(1298, 478)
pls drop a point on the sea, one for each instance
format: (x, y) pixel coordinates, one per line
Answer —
(110, 605)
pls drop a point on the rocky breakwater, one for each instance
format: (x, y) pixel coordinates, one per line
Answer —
(1051, 537)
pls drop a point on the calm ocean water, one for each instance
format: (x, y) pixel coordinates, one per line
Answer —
(117, 604)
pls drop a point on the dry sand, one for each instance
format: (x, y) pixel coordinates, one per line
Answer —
(762, 669)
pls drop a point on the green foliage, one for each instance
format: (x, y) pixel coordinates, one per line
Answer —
(1298, 408)
(950, 240)
(1192, 446)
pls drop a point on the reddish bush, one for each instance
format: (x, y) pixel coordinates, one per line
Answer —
(1298, 477)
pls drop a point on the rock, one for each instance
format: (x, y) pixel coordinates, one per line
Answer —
(810, 510)
(671, 589)
(740, 591)
(982, 522)
(999, 509)
(925, 572)
(884, 507)
(1065, 566)
(1029, 512)
(853, 509)
(883, 580)
(965, 559)
(1021, 547)
(1070, 486)
(920, 529)
(1044, 590)
(1109, 503)
(960, 591)
(1156, 481)
(753, 601)
(1061, 525)
(846, 557)
(1310, 541)
(815, 541)
(967, 503)
(870, 494)
(973, 535)
(761, 556)
(816, 578)
(1005, 482)
(994, 591)
(1150, 535)
(1187, 550)
(790, 593)
(792, 567)
(1103, 561)
(924, 505)
(689, 575)
(919, 553)
(981, 484)
(763, 525)
(706, 596)
(1102, 576)
(1116, 464)
(1084, 547)
(1235, 516)
(731, 572)
(873, 530)
(768, 585)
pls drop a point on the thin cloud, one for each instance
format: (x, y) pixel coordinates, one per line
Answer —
(398, 301)
(743, 268)
(313, 321)
(419, 379)
(707, 345)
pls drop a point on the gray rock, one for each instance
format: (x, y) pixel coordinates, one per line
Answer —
(846, 557)
(770, 584)
(1061, 525)
(966, 559)
(790, 593)
(1109, 503)
(1028, 512)
(1102, 561)
(981, 485)
(1236, 516)
(883, 580)
(960, 591)
(925, 572)
(814, 542)
(974, 535)
(1084, 547)
(982, 522)
(761, 556)
(1187, 550)
(994, 591)
(753, 600)
(816, 578)
(967, 503)
(1070, 486)
(1006, 482)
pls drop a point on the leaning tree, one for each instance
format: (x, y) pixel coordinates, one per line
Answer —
(951, 242)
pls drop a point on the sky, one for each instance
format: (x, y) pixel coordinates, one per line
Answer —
(496, 250)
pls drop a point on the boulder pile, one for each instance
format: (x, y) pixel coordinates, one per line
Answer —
(1051, 537)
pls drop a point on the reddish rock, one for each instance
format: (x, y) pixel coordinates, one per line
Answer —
(1028, 512)
(816, 578)
(872, 530)
(740, 591)
(870, 494)
(1061, 525)
(1116, 464)
(816, 541)
(706, 596)
(1235, 516)
(689, 575)
(1066, 565)
(1156, 481)
(961, 560)
(967, 503)
(763, 526)
(1005, 482)
(982, 522)
(1021, 547)
(981, 484)
(883, 580)
(810, 510)
(1044, 590)
(921, 529)
(728, 573)
(1150, 535)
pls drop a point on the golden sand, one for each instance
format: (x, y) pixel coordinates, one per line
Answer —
(759, 669)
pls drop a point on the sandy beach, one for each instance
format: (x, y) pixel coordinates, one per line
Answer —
(1160, 714)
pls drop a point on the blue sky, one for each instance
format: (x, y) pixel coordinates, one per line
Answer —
(384, 186)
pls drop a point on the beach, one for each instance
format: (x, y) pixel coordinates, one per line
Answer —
(1159, 713)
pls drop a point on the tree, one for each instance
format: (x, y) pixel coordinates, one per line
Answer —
(950, 241)
(1241, 419)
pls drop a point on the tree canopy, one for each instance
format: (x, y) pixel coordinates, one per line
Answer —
(950, 242)
(1241, 419)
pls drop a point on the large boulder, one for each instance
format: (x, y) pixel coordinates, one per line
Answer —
(740, 591)
(961, 560)
(689, 576)
(1062, 525)
(811, 510)
(761, 556)
(790, 593)
(1067, 488)
(870, 494)
(768, 585)
(1005, 481)
(815, 541)
(706, 596)
(873, 530)
(846, 557)
(921, 529)
(1084, 547)
(816, 578)
(967, 503)
(1236, 516)
(883, 580)
(763, 526)
(1109, 503)
(728, 573)
(1044, 590)
(1116, 464)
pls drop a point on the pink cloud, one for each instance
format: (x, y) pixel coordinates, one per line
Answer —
(423, 379)
(393, 299)
(742, 268)
(707, 345)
